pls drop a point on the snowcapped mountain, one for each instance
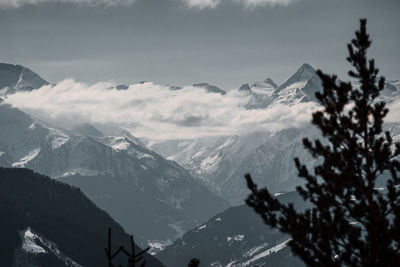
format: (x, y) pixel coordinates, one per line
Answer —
(221, 162)
(235, 237)
(153, 198)
(300, 87)
(212, 160)
(18, 78)
(115, 169)
(271, 164)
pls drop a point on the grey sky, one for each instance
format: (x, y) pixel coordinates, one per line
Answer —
(165, 41)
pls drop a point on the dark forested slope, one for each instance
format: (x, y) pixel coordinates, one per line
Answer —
(68, 229)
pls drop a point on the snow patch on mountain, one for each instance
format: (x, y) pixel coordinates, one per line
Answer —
(117, 142)
(27, 158)
(81, 172)
(57, 138)
(33, 243)
(157, 246)
(202, 227)
(236, 238)
(210, 163)
(142, 155)
(255, 250)
(265, 253)
(29, 245)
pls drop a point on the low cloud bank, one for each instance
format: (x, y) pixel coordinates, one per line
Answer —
(394, 112)
(250, 4)
(107, 3)
(156, 112)
(200, 4)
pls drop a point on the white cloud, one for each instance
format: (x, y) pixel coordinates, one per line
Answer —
(394, 111)
(19, 3)
(156, 112)
(256, 3)
(202, 4)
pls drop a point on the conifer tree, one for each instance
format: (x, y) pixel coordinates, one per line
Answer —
(350, 222)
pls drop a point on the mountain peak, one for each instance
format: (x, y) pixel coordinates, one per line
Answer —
(307, 66)
(19, 78)
(305, 72)
(245, 87)
(210, 88)
(300, 87)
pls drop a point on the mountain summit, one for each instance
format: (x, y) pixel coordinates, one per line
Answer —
(304, 73)
(210, 88)
(19, 78)
(300, 87)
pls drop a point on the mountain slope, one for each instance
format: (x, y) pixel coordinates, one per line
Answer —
(118, 173)
(52, 224)
(221, 162)
(212, 160)
(235, 237)
(271, 164)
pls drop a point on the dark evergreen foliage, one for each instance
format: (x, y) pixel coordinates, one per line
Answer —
(351, 223)
(194, 263)
(58, 212)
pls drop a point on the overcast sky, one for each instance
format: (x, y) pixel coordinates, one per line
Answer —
(180, 42)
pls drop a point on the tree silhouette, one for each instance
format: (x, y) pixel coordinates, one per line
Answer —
(194, 262)
(133, 258)
(350, 223)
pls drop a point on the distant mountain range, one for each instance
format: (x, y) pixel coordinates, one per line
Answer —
(48, 223)
(151, 197)
(221, 162)
(144, 188)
